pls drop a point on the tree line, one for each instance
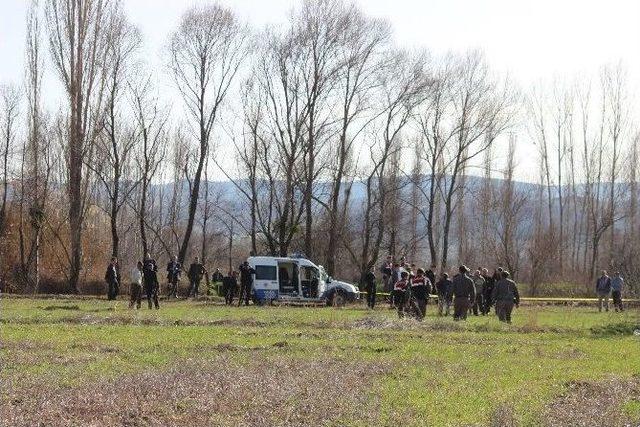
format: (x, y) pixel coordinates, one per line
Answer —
(332, 139)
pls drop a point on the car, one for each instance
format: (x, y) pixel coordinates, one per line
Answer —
(297, 279)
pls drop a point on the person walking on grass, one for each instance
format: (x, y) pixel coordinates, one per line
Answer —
(246, 282)
(196, 273)
(151, 285)
(399, 292)
(173, 276)
(111, 277)
(370, 287)
(136, 286)
(506, 295)
(229, 287)
(464, 293)
(420, 289)
(603, 289)
(617, 282)
(478, 304)
(489, 283)
(444, 288)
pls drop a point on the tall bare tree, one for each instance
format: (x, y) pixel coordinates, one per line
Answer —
(78, 34)
(206, 52)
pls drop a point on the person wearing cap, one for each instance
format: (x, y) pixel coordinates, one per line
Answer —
(444, 288)
(464, 293)
(399, 292)
(506, 295)
(420, 289)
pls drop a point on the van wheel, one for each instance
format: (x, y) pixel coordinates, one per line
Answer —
(338, 299)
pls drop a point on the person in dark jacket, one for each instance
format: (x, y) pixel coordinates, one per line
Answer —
(370, 287)
(246, 282)
(229, 287)
(151, 285)
(505, 294)
(603, 289)
(399, 293)
(617, 283)
(173, 276)
(431, 275)
(216, 277)
(489, 283)
(111, 277)
(196, 273)
(420, 290)
(444, 288)
(386, 270)
(464, 293)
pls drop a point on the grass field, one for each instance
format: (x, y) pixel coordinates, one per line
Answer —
(93, 362)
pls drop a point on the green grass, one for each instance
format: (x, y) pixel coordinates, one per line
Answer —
(439, 372)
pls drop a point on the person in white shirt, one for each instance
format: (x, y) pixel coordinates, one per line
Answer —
(136, 285)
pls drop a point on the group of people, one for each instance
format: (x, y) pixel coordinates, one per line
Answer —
(410, 289)
(609, 286)
(144, 278)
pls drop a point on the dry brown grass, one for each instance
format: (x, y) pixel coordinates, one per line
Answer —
(593, 404)
(221, 392)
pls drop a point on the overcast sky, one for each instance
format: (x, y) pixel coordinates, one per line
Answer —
(533, 40)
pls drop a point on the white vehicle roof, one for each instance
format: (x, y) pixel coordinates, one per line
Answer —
(270, 260)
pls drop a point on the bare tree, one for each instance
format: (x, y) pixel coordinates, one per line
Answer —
(151, 121)
(77, 39)
(116, 142)
(10, 102)
(206, 52)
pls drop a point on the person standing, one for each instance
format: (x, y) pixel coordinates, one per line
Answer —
(464, 293)
(505, 295)
(370, 286)
(173, 276)
(399, 292)
(603, 288)
(444, 287)
(151, 285)
(489, 283)
(196, 272)
(216, 278)
(478, 304)
(431, 275)
(136, 286)
(229, 286)
(386, 269)
(420, 290)
(616, 291)
(111, 277)
(246, 283)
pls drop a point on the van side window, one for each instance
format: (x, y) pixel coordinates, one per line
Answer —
(265, 272)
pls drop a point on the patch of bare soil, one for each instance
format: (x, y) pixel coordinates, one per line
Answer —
(220, 392)
(593, 403)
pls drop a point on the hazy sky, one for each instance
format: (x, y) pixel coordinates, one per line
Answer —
(533, 40)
